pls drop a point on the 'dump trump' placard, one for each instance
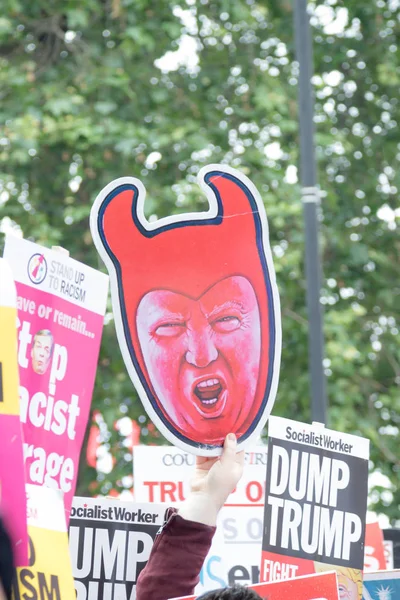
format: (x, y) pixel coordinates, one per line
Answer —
(196, 308)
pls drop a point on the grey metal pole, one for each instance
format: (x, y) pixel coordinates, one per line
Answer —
(310, 199)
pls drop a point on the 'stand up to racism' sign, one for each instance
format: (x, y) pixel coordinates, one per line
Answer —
(61, 305)
(110, 542)
(315, 502)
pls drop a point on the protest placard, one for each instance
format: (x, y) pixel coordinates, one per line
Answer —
(12, 469)
(110, 543)
(322, 586)
(61, 305)
(374, 551)
(163, 473)
(48, 575)
(389, 557)
(392, 547)
(196, 308)
(383, 585)
(315, 503)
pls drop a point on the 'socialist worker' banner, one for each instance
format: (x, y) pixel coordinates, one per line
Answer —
(110, 543)
(61, 306)
(323, 586)
(196, 308)
(12, 471)
(315, 504)
(48, 575)
(163, 474)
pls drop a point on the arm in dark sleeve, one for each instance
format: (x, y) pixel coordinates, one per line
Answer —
(176, 559)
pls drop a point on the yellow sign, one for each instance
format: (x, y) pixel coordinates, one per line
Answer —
(49, 574)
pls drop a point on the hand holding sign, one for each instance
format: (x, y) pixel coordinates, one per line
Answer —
(213, 481)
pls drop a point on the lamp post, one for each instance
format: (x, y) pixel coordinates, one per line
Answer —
(310, 200)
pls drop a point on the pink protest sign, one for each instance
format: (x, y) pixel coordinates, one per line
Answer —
(61, 306)
(12, 471)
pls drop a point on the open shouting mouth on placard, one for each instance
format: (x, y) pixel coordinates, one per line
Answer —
(210, 395)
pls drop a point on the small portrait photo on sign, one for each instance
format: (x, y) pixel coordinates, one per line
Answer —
(42, 351)
(196, 308)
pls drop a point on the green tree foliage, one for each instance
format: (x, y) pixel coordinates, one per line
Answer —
(99, 89)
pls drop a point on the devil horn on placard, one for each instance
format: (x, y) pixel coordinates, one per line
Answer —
(115, 215)
(234, 194)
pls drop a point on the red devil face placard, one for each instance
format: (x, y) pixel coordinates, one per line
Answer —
(196, 308)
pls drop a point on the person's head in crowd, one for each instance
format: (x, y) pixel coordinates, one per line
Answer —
(237, 592)
(6, 564)
(42, 351)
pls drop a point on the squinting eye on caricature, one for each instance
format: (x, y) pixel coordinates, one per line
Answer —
(226, 324)
(170, 329)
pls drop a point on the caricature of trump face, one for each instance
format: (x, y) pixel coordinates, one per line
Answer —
(196, 307)
(202, 355)
(349, 580)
